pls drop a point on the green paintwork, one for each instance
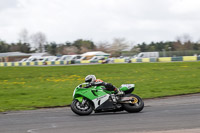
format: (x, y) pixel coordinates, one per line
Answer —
(80, 99)
(89, 93)
(124, 89)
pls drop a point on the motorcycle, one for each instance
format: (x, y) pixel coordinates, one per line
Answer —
(87, 98)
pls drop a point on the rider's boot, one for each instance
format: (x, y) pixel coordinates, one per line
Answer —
(119, 92)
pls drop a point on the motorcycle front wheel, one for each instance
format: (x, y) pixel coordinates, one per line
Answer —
(81, 109)
(136, 104)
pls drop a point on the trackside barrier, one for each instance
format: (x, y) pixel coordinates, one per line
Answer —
(133, 60)
(77, 62)
(146, 60)
(180, 58)
(99, 61)
(119, 60)
(139, 60)
(153, 59)
(94, 61)
(85, 61)
(161, 59)
(164, 59)
(34, 63)
(189, 58)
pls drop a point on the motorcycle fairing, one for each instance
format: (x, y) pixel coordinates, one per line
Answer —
(100, 100)
(106, 106)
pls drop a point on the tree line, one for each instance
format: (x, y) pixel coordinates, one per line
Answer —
(37, 42)
(77, 47)
(167, 46)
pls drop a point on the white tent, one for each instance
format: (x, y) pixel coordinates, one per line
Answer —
(40, 54)
(95, 53)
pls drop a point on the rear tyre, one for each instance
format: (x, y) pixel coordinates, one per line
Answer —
(136, 106)
(80, 109)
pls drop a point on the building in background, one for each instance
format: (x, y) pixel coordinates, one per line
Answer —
(13, 56)
(18, 56)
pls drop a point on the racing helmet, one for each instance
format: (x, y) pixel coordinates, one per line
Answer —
(90, 78)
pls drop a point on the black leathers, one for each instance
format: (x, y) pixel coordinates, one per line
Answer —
(108, 86)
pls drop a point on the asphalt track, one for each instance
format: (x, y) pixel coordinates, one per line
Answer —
(171, 114)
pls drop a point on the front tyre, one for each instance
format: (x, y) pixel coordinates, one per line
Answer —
(81, 109)
(136, 105)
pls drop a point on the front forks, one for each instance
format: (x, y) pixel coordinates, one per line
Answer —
(82, 104)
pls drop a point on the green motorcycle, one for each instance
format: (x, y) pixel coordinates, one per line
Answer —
(87, 98)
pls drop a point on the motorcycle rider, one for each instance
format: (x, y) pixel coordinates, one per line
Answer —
(91, 79)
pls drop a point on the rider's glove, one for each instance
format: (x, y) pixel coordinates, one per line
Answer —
(88, 86)
(92, 84)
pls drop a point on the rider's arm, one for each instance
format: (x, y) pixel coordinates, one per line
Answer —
(98, 84)
(107, 85)
(110, 87)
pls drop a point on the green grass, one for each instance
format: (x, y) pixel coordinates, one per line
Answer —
(31, 87)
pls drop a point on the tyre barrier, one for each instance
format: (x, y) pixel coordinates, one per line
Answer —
(34, 63)
(144, 60)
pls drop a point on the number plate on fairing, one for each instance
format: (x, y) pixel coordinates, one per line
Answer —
(128, 85)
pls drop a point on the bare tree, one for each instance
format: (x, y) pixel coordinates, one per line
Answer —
(184, 42)
(65, 50)
(103, 46)
(71, 50)
(39, 39)
(184, 38)
(119, 44)
(23, 36)
(84, 49)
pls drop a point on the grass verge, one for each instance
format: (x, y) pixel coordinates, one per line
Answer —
(23, 88)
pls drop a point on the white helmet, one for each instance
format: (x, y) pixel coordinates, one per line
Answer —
(90, 78)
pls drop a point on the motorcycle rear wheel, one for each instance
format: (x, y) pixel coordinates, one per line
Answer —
(79, 109)
(136, 106)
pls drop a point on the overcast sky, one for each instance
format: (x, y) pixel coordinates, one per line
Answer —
(101, 20)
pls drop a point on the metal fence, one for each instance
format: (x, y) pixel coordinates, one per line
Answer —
(179, 53)
(168, 53)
